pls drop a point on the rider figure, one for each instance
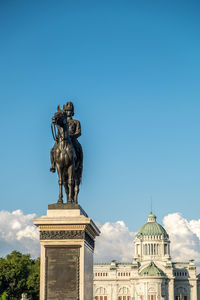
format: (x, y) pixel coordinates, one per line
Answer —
(74, 133)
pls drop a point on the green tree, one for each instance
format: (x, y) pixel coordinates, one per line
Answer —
(33, 281)
(3, 282)
(4, 296)
(19, 274)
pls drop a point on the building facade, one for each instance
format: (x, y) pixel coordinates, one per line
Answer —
(151, 275)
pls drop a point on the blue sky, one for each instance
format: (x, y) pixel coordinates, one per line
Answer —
(132, 70)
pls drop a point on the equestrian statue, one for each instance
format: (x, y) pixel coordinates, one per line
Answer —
(67, 154)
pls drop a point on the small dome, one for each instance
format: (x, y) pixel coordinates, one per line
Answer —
(152, 228)
(151, 217)
(152, 270)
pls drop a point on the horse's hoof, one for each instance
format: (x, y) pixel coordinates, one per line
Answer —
(52, 170)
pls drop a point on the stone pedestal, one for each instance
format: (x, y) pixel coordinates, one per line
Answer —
(67, 243)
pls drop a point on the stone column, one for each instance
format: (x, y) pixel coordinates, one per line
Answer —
(193, 289)
(171, 288)
(67, 243)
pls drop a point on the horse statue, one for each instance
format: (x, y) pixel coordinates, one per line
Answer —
(65, 156)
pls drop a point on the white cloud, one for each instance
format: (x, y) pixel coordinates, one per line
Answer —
(115, 242)
(184, 236)
(17, 232)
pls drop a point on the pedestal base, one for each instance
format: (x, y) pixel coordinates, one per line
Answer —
(67, 243)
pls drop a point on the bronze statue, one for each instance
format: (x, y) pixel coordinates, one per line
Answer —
(67, 154)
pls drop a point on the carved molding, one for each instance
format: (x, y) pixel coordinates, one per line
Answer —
(61, 234)
(67, 235)
(89, 240)
(91, 232)
(62, 227)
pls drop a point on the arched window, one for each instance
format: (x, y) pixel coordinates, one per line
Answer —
(181, 293)
(101, 294)
(124, 293)
(145, 249)
(165, 249)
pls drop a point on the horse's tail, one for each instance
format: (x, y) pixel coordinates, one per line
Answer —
(79, 165)
(79, 172)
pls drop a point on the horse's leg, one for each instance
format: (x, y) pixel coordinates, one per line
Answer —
(60, 182)
(76, 190)
(78, 175)
(70, 182)
(65, 183)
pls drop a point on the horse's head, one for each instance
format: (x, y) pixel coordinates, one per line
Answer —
(59, 117)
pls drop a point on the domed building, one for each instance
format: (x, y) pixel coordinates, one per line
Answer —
(151, 275)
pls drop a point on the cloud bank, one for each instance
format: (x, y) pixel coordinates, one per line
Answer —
(184, 236)
(17, 232)
(116, 241)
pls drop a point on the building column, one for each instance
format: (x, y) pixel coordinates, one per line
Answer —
(193, 289)
(114, 291)
(171, 289)
(132, 290)
(146, 290)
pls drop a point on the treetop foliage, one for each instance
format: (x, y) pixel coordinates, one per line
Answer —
(19, 274)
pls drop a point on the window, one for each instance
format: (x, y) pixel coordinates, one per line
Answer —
(152, 297)
(181, 297)
(165, 249)
(101, 298)
(124, 298)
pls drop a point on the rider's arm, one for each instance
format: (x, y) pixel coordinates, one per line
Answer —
(78, 129)
(57, 135)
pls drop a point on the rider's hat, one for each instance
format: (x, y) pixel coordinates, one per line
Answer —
(69, 106)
